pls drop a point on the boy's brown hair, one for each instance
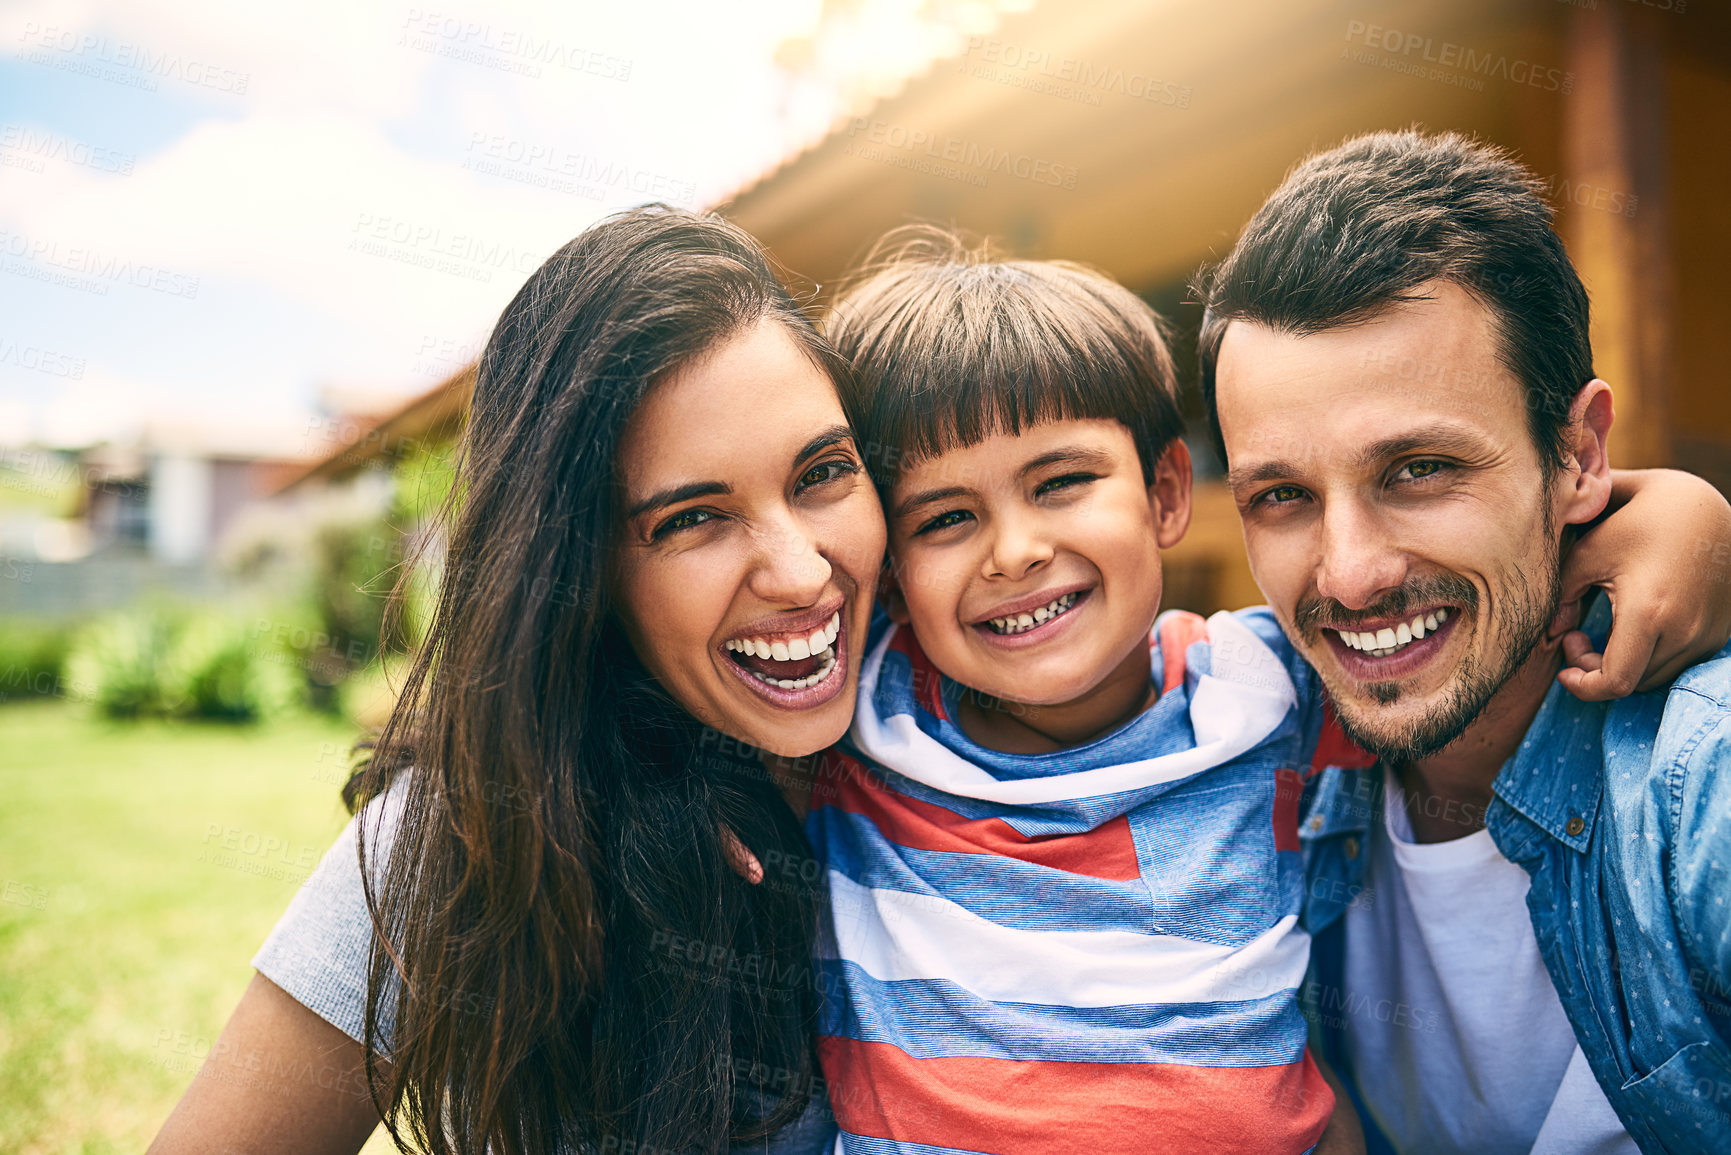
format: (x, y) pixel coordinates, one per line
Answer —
(951, 344)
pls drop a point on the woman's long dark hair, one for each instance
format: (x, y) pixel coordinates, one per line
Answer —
(567, 956)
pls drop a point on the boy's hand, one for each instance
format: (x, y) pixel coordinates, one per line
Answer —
(1663, 554)
(740, 857)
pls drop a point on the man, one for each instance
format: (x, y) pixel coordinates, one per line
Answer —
(1522, 909)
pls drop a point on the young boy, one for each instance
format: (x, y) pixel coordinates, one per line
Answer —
(1065, 894)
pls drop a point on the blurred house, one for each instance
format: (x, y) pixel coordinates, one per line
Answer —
(1139, 137)
(113, 520)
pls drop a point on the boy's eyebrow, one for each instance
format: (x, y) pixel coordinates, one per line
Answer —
(926, 496)
(1065, 455)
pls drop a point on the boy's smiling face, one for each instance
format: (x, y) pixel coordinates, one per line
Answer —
(1029, 565)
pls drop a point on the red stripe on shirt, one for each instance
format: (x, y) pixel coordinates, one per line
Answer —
(1108, 851)
(1178, 632)
(1288, 787)
(1334, 748)
(1054, 1108)
(927, 684)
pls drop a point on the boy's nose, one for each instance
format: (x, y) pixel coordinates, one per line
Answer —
(1016, 551)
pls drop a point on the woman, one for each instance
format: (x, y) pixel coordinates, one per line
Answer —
(662, 534)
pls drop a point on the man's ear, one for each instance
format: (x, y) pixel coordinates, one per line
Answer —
(890, 592)
(1585, 481)
(1169, 494)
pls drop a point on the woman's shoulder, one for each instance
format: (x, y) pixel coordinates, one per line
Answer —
(321, 947)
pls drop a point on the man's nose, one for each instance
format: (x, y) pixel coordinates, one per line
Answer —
(1360, 563)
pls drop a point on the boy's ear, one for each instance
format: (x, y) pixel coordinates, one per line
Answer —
(890, 593)
(1585, 479)
(1169, 494)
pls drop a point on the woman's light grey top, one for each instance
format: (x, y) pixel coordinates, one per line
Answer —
(319, 951)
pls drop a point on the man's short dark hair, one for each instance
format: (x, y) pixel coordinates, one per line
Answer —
(1353, 231)
(951, 344)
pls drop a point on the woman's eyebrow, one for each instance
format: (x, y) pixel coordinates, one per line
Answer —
(834, 435)
(677, 494)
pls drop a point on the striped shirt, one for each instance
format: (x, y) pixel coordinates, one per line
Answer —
(1095, 950)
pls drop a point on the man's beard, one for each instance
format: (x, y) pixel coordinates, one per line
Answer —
(1528, 608)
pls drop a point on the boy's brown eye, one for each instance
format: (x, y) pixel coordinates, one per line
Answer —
(945, 520)
(1067, 481)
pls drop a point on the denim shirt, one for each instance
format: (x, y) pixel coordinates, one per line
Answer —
(1621, 814)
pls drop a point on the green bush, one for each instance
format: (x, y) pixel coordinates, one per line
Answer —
(32, 658)
(169, 661)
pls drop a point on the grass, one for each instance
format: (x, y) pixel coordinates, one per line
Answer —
(140, 868)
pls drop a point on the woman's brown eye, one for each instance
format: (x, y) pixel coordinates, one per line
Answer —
(685, 519)
(825, 471)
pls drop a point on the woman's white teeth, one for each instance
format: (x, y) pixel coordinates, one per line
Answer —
(811, 679)
(1018, 623)
(1381, 643)
(793, 649)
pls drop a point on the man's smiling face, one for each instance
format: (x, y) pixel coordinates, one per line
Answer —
(1398, 516)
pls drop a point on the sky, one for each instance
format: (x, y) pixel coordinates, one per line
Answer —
(243, 215)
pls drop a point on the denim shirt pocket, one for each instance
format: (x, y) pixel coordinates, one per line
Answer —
(1687, 1099)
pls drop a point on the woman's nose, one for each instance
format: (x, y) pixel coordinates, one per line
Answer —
(790, 568)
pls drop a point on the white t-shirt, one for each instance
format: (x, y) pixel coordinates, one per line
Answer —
(1474, 1053)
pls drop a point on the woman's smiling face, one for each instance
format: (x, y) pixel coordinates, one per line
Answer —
(750, 543)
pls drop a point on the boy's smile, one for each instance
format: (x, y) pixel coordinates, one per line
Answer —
(1029, 568)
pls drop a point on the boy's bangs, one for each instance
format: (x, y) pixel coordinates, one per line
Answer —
(948, 355)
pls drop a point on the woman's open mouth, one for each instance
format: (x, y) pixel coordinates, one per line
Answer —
(792, 669)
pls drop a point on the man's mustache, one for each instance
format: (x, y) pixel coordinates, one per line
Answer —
(1317, 613)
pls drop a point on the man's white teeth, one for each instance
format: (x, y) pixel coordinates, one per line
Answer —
(1381, 643)
(791, 649)
(1020, 623)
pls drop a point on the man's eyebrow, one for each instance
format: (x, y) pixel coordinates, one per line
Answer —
(1443, 437)
(1262, 471)
(676, 494)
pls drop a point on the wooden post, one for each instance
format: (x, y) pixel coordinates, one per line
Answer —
(1614, 143)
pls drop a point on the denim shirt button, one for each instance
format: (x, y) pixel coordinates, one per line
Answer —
(1575, 825)
(1350, 848)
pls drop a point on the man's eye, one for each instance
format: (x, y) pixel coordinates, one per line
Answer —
(1422, 469)
(684, 519)
(1067, 481)
(826, 471)
(1283, 494)
(945, 520)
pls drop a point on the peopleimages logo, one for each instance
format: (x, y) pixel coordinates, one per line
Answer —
(892, 139)
(1409, 51)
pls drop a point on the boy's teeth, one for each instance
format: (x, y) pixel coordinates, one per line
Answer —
(788, 649)
(1019, 623)
(1381, 643)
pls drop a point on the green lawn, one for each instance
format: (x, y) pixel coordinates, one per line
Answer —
(140, 868)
